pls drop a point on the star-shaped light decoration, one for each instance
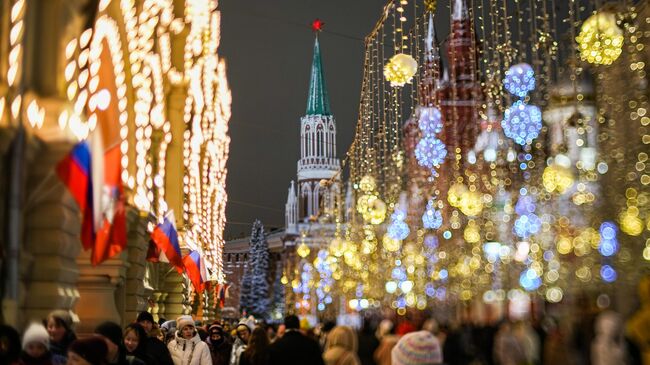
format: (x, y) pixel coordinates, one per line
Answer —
(317, 25)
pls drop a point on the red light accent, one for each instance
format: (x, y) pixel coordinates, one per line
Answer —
(317, 25)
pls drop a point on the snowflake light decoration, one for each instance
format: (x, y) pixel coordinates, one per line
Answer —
(520, 80)
(522, 122)
(432, 218)
(430, 152)
(430, 121)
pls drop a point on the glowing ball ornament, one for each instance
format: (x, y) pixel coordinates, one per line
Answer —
(557, 179)
(520, 80)
(471, 203)
(337, 247)
(600, 39)
(430, 121)
(522, 122)
(303, 250)
(391, 245)
(432, 218)
(398, 230)
(367, 184)
(400, 69)
(430, 152)
(375, 209)
(455, 194)
(472, 234)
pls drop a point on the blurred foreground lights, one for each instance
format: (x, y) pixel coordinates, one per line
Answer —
(391, 287)
(608, 274)
(529, 280)
(554, 295)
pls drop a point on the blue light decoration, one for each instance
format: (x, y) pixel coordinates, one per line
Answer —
(608, 274)
(443, 274)
(527, 225)
(432, 218)
(398, 230)
(430, 290)
(430, 152)
(491, 250)
(608, 243)
(431, 241)
(525, 205)
(520, 80)
(430, 121)
(529, 280)
(522, 122)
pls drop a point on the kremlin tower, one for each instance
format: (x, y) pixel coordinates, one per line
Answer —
(315, 195)
(460, 90)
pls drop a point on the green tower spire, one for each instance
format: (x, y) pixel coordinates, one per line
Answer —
(318, 102)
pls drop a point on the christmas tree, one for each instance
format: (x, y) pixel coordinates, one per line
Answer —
(245, 291)
(278, 294)
(259, 259)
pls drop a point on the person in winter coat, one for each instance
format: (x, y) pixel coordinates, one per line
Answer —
(116, 354)
(187, 348)
(257, 351)
(387, 340)
(417, 348)
(9, 345)
(135, 338)
(88, 351)
(368, 343)
(60, 328)
(153, 349)
(243, 331)
(294, 348)
(341, 347)
(609, 345)
(220, 347)
(36, 346)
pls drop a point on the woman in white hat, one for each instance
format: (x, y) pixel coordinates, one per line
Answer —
(187, 348)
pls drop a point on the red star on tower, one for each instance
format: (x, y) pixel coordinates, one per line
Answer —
(317, 25)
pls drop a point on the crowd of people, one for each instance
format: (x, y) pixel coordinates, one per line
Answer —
(185, 341)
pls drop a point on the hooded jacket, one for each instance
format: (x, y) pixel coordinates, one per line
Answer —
(189, 352)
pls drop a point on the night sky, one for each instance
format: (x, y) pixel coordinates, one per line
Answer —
(268, 46)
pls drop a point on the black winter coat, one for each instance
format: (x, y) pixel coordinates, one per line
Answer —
(294, 348)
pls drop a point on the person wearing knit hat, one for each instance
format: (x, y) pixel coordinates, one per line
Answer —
(60, 327)
(112, 334)
(187, 348)
(220, 347)
(88, 351)
(36, 346)
(145, 319)
(153, 348)
(417, 348)
(243, 332)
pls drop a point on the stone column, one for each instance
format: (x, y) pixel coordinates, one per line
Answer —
(52, 226)
(97, 291)
(137, 294)
(176, 301)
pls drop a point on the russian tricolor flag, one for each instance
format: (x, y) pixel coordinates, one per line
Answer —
(75, 170)
(165, 237)
(92, 176)
(195, 269)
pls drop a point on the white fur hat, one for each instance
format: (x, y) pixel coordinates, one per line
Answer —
(36, 332)
(183, 321)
